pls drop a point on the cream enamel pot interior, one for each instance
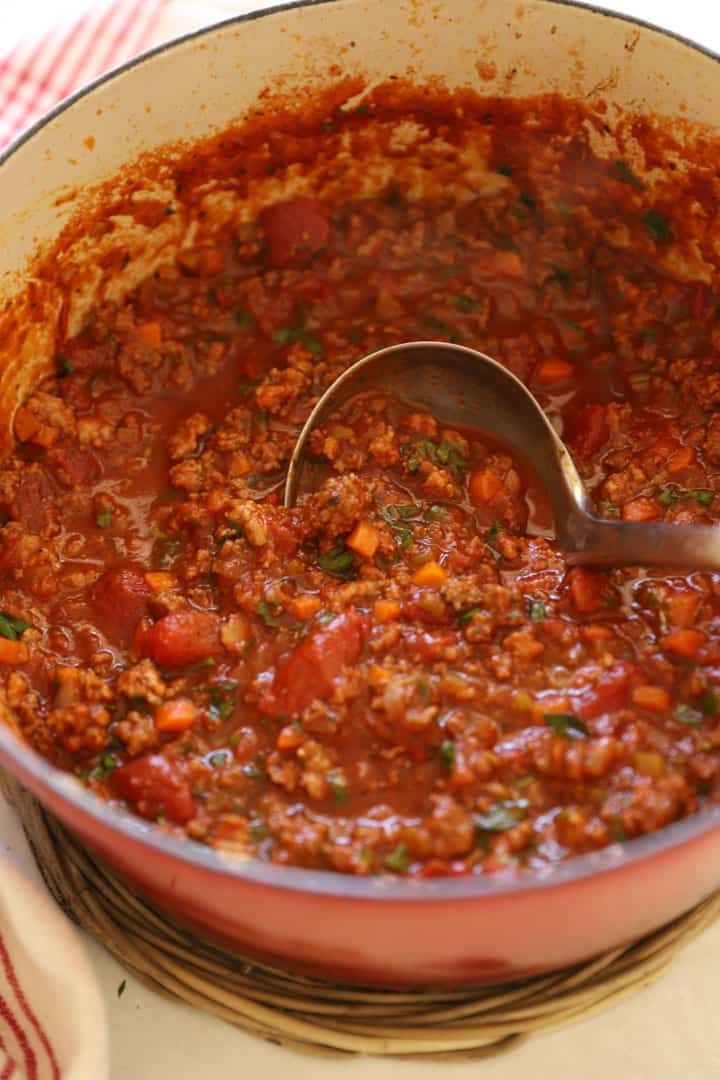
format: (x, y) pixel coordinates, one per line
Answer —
(380, 931)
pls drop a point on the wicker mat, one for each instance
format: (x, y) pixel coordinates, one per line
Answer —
(320, 1017)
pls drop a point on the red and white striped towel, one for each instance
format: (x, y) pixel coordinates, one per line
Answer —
(40, 71)
(52, 1019)
(44, 67)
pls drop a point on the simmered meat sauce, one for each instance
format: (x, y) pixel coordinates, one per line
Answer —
(402, 674)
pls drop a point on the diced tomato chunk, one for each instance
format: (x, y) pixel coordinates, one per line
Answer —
(75, 466)
(119, 599)
(34, 495)
(610, 692)
(588, 430)
(284, 542)
(586, 589)
(155, 787)
(310, 671)
(295, 230)
(183, 637)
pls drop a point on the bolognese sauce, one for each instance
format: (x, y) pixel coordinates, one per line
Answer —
(401, 674)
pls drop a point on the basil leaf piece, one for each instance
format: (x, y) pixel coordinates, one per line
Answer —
(502, 815)
(567, 724)
(12, 627)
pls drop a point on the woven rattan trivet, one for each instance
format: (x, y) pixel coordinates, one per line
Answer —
(320, 1017)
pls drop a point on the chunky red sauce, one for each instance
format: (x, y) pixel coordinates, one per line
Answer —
(402, 674)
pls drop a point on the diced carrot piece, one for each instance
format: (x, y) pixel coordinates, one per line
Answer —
(648, 763)
(651, 697)
(304, 607)
(26, 424)
(682, 608)
(680, 460)
(549, 705)
(484, 485)
(289, 738)
(160, 580)
(430, 573)
(683, 643)
(386, 610)
(175, 716)
(641, 509)
(150, 334)
(500, 263)
(364, 539)
(378, 675)
(13, 652)
(553, 371)
(586, 589)
(596, 632)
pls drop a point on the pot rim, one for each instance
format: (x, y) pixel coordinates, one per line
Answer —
(386, 887)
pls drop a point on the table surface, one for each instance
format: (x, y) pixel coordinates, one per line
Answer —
(666, 1032)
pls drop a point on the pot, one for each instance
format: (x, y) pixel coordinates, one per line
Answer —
(374, 931)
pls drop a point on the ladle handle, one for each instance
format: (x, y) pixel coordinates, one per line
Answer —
(594, 541)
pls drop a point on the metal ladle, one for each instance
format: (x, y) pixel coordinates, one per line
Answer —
(460, 386)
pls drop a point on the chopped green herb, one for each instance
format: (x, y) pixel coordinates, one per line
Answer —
(705, 498)
(709, 703)
(222, 700)
(525, 782)
(164, 551)
(567, 724)
(467, 616)
(435, 513)
(12, 627)
(121, 988)
(362, 110)
(437, 324)
(667, 496)
(288, 335)
(448, 454)
(505, 170)
(563, 207)
(339, 562)
(339, 788)
(199, 665)
(424, 691)
(259, 830)
(465, 304)
(537, 611)
(218, 760)
(267, 610)
(657, 225)
(502, 815)
(574, 326)
(64, 367)
(620, 170)
(104, 519)
(244, 319)
(297, 724)
(326, 617)
(648, 333)
(562, 274)
(490, 537)
(447, 752)
(398, 860)
(396, 516)
(617, 830)
(105, 766)
(687, 715)
(608, 509)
